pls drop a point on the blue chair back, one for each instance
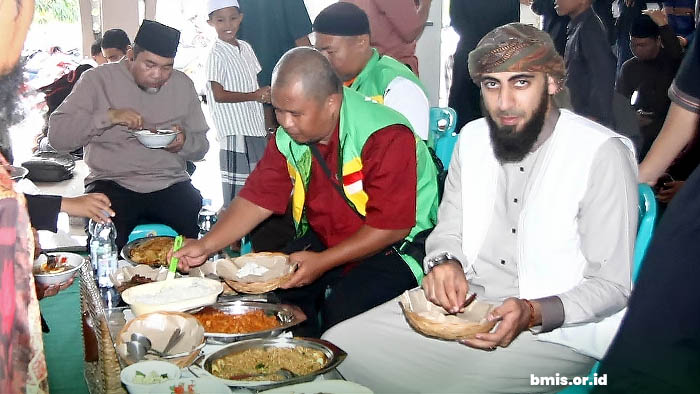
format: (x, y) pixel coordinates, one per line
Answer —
(645, 230)
(442, 136)
(151, 230)
(645, 226)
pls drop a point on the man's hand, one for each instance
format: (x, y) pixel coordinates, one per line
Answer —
(308, 269)
(668, 190)
(193, 253)
(446, 285)
(264, 95)
(178, 142)
(126, 117)
(43, 291)
(658, 16)
(95, 206)
(513, 316)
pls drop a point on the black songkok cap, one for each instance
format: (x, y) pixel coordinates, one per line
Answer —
(157, 38)
(342, 19)
(644, 27)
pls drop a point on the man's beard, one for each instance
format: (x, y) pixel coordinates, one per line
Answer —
(9, 114)
(509, 145)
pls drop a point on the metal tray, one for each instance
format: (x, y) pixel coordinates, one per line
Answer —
(126, 250)
(334, 355)
(287, 315)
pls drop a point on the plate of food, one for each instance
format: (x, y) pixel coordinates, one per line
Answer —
(159, 327)
(155, 139)
(272, 362)
(234, 321)
(172, 295)
(55, 268)
(252, 273)
(129, 276)
(151, 251)
(191, 386)
(434, 321)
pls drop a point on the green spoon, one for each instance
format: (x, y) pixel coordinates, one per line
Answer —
(174, 260)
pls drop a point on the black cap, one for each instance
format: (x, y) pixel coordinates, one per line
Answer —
(342, 19)
(644, 27)
(115, 38)
(158, 38)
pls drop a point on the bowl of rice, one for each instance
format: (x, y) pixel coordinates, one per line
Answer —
(172, 295)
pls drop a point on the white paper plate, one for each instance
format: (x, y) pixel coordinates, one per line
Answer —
(201, 385)
(321, 386)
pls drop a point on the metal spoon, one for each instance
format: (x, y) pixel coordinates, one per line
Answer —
(174, 339)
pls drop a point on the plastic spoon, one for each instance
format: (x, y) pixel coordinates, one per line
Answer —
(174, 260)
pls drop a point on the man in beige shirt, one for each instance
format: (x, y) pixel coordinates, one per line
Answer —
(107, 104)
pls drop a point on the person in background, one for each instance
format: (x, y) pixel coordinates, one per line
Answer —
(273, 27)
(363, 187)
(590, 63)
(22, 361)
(342, 33)
(96, 52)
(552, 23)
(526, 188)
(44, 209)
(682, 122)
(657, 348)
(657, 56)
(681, 16)
(142, 91)
(629, 10)
(235, 98)
(115, 44)
(395, 27)
(472, 20)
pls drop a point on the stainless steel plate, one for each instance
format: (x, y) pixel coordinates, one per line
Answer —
(287, 315)
(333, 354)
(126, 250)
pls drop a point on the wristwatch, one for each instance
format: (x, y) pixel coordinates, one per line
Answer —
(439, 259)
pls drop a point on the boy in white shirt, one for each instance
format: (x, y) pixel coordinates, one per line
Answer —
(234, 98)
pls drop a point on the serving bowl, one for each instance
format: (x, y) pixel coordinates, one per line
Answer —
(156, 139)
(159, 327)
(73, 260)
(287, 316)
(333, 357)
(172, 295)
(146, 367)
(130, 247)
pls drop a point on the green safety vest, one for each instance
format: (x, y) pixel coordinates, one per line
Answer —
(378, 73)
(359, 119)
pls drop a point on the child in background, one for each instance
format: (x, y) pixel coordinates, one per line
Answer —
(234, 98)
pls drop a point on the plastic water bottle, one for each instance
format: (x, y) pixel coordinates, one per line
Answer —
(103, 252)
(92, 248)
(206, 220)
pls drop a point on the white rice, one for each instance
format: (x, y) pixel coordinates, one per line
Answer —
(168, 294)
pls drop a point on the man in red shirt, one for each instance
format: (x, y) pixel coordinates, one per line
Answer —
(358, 242)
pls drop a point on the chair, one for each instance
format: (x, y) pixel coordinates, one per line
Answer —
(442, 136)
(151, 230)
(645, 230)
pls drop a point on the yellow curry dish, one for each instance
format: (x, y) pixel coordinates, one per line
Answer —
(262, 364)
